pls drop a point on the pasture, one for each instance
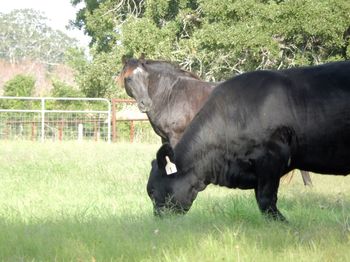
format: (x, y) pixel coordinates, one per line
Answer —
(88, 202)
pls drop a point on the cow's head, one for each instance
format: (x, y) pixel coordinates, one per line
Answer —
(171, 192)
(135, 79)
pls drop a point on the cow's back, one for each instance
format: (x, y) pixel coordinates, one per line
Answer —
(312, 102)
(321, 104)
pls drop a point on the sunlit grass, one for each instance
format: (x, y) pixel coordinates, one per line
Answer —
(88, 201)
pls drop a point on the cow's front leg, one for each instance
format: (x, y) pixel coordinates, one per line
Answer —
(269, 171)
(266, 196)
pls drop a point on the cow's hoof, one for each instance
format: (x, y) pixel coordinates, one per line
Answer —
(276, 216)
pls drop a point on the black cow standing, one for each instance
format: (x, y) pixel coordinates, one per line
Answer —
(255, 128)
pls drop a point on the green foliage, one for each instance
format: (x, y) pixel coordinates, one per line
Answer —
(96, 78)
(24, 34)
(20, 85)
(96, 21)
(135, 41)
(76, 58)
(61, 89)
(218, 39)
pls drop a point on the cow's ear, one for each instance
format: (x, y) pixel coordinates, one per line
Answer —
(166, 159)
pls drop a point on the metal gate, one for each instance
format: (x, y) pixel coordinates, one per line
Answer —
(55, 118)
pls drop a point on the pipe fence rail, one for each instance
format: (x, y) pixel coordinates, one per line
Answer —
(55, 118)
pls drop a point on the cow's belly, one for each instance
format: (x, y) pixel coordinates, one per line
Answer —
(327, 155)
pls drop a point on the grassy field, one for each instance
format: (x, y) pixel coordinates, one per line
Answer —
(88, 202)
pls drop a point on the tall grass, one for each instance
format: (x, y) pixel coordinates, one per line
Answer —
(88, 202)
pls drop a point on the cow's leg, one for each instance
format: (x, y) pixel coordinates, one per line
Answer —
(266, 196)
(306, 178)
(269, 170)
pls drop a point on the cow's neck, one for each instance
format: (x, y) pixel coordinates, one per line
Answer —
(213, 161)
(204, 160)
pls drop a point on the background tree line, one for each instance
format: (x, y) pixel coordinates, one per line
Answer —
(213, 38)
(27, 39)
(24, 34)
(216, 39)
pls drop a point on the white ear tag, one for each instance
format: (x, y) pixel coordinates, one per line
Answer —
(170, 167)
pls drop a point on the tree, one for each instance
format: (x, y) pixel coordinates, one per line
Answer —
(96, 78)
(62, 89)
(100, 19)
(24, 34)
(20, 85)
(218, 39)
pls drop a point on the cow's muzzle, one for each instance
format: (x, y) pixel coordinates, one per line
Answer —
(162, 211)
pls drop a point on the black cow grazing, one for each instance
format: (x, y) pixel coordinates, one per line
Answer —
(255, 128)
(170, 96)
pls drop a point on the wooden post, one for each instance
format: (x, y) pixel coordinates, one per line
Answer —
(7, 132)
(132, 130)
(114, 128)
(60, 131)
(33, 131)
(97, 130)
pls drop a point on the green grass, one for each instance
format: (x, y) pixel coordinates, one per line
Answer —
(88, 202)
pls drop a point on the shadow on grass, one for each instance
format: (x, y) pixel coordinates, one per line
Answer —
(218, 222)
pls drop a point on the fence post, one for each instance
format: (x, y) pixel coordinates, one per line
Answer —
(132, 131)
(42, 119)
(109, 121)
(114, 129)
(60, 130)
(33, 130)
(80, 132)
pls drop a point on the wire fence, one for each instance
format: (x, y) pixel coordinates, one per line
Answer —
(49, 118)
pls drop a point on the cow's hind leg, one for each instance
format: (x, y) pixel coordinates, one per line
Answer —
(306, 178)
(269, 169)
